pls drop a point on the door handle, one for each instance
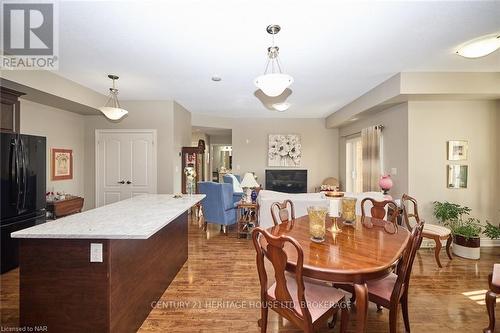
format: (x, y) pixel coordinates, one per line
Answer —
(129, 182)
(121, 182)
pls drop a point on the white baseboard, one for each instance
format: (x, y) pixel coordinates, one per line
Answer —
(485, 242)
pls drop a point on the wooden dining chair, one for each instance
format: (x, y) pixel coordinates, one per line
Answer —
(491, 297)
(431, 231)
(279, 211)
(378, 214)
(392, 291)
(306, 304)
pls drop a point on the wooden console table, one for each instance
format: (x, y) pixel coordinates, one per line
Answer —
(60, 208)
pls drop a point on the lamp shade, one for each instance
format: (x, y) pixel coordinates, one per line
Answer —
(273, 84)
(113, 113)
(249, 181)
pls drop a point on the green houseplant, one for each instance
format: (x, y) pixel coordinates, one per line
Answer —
(466, 230)
(492, 231)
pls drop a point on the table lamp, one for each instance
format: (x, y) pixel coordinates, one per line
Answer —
(248, 183)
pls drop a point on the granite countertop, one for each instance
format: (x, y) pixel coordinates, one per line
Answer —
(137, 218)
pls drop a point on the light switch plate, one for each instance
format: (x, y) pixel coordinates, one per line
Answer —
(394, 171)
(95, 252)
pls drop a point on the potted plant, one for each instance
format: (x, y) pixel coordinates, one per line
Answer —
(465, 230)
(492, 231)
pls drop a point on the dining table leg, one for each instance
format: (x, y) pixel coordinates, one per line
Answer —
(361, 292)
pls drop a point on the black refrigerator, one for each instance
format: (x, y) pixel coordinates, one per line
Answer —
(22, 193)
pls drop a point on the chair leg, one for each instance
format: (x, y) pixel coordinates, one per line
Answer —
(344, 319)
(263, 320)
(331, 323)
(437, 250)
(491, 299)
(404, 309)
(393, 319)
(448, 245)
(205, 224)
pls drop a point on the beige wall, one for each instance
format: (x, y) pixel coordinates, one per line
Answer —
(142, 115)
(395, 144)
(62, 129)
(250, 144)
(182, 138)
(431, 125)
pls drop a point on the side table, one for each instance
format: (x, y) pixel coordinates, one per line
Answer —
(247, 218)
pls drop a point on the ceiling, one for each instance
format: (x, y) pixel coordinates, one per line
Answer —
(336, 51)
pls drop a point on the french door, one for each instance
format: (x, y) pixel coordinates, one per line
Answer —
(125, 164)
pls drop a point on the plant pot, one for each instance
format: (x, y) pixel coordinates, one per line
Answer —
(468, 248)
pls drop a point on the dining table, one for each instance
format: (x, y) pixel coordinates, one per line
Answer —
(355, 254)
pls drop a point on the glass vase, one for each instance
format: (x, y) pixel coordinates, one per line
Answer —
(317, 225)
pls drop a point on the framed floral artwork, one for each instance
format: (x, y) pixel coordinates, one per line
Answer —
(62, 164)
(457, 150)
(284, 150)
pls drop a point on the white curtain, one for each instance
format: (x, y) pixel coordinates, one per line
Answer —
(371, 142)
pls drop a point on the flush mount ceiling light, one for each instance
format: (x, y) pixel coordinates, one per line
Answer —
(112, 109)
(281, 106)
(274, 83)
(480, 47)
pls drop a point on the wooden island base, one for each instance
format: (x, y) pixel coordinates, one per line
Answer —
(61, 289)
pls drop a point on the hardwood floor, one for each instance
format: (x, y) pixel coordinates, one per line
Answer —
(217, 290)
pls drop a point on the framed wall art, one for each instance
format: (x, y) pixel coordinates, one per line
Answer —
(62, 164)
(284, 150)
(457, 176)
(457, 150)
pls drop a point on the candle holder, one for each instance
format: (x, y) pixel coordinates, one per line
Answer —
(335, 228)
(317, 227)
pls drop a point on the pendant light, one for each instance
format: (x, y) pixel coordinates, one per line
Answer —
(274, 83)
(112, 109)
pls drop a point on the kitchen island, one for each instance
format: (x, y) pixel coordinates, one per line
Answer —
(101, 270)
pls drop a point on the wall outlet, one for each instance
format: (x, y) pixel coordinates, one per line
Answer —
(95, 252)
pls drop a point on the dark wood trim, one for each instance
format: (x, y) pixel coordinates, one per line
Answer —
(62, 289)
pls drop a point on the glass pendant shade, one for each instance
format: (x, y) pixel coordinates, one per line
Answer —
(273, 84)
(113, 113)
(480, 47)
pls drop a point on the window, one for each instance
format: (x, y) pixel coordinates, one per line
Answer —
(354, 165)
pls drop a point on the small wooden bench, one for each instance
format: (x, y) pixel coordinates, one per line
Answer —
(491, 297)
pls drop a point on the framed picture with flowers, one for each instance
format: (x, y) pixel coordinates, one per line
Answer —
(284, 150)
(62, 164)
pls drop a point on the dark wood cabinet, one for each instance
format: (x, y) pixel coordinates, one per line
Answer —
(10, 110)
(193, 159)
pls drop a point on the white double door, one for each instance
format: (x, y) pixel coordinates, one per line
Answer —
(125, 164)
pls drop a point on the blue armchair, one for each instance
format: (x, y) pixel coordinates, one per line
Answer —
(237, 196)
(219, 205)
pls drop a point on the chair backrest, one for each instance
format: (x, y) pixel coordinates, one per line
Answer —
(279, 211)
(274, 252)
(406, 264)
(228, 179)
(410, 210)
(378, 212)
(219, 198)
